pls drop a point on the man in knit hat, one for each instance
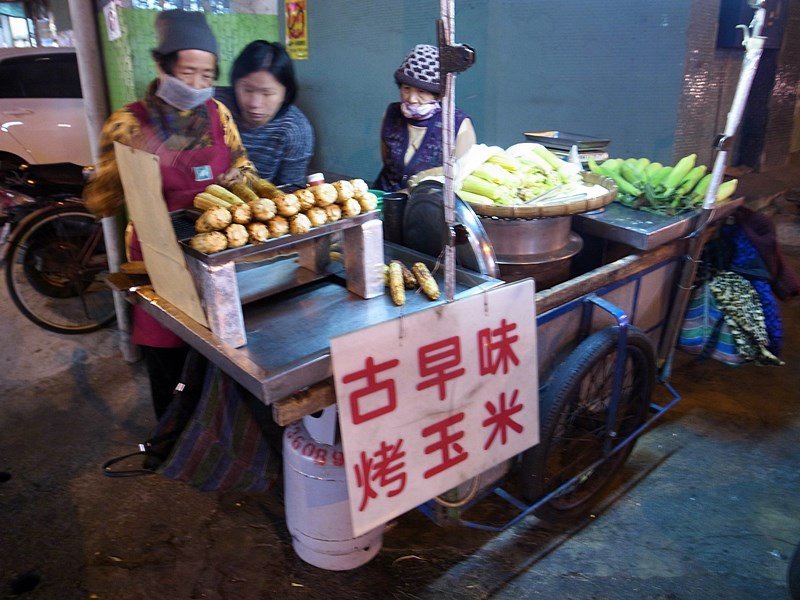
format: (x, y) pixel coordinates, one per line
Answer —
(411, 133)
(197, 143)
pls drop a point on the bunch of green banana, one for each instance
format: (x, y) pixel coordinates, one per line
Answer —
(654, 187)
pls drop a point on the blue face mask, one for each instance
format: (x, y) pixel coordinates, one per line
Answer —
(180, 95)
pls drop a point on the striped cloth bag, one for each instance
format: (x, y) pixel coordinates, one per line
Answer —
(229, 443)
(704, 331)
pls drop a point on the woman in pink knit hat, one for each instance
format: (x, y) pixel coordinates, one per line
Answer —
(411, 133)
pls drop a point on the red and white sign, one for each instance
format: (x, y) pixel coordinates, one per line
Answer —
(432, 399)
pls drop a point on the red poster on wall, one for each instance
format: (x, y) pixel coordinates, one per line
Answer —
(296, 12)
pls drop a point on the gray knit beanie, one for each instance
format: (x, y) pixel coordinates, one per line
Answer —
(184, 30)
(420, 69)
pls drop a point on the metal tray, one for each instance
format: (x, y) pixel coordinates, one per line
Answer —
(564, 140)
(285, 241)
(643, 230)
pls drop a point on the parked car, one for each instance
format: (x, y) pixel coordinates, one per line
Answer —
(42, 117)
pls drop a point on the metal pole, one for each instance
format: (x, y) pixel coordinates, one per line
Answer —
(754, 45)
(93, 88)
(448, 151)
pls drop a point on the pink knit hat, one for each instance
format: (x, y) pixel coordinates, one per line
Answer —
(420, 69)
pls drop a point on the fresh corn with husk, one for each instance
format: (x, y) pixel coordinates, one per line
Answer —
(425, 280)
(396, 287)
(204, 201)
(495, 174)
(481, 187)
(473, 198)
(221, 192)
(509, 163)
(243, 191)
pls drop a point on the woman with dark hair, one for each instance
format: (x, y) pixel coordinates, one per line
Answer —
(277, 135)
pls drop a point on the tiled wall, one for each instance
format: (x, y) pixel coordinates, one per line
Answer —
(709, 83)
(782, 122)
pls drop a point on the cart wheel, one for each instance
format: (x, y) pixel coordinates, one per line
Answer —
(793, 575)
(573, 410)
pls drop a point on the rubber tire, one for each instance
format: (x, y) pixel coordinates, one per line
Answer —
(28, 231)
(793, 575)
(561, 401)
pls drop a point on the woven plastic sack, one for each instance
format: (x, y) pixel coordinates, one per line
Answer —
(704, 331)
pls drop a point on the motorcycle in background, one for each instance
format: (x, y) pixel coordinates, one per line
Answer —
(52, 249)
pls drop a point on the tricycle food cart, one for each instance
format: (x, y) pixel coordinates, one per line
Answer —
(273, 309)
(604, 327)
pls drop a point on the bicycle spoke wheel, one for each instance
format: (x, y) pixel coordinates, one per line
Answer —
(55, 268)
(575, 422)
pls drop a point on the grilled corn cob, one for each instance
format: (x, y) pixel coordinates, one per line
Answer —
(305, 197)
(237, 235)
(299, 224)
(344, 190)
(221, 192)
(210, 242)
(426, 281)
(317, 216)
(243, 191)
(263, 209)
(287, 205)
(263, 188)
(359, 187)
(396, 287)
(408, 277)
(213, 219)
(257, 232)
(204, 201)
(242, 214)
(324, 194)
(333, 212)
(368, 201)
(351, 208)
(278, 226)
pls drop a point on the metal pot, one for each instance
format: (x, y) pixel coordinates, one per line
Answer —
(538, 248)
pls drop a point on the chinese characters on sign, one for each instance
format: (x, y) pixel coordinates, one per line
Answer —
(424, 410)
(296, 29)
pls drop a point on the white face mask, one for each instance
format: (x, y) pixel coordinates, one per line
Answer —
(419, 112)
(180, 95)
